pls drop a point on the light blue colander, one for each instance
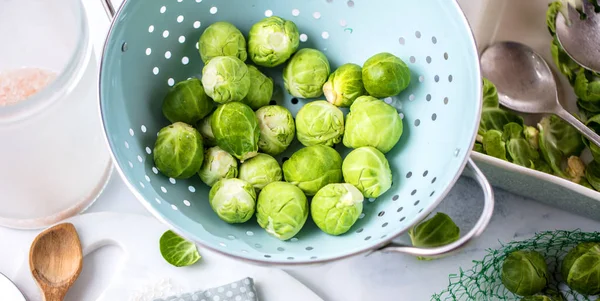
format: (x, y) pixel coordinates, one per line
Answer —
(152, 44)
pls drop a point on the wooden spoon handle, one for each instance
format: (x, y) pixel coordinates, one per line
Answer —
(54, 294)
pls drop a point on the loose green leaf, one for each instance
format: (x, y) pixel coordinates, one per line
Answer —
(478, 147)
(437, 231)
(496, 119)
(592, 175)
(521, 153)
(178, 251)
(490, 94)
(558, 141)
(494, 145)
(587, 85)
(512, 131)
(594, 124)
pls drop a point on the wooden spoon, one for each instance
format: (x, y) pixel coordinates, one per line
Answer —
(55, 260)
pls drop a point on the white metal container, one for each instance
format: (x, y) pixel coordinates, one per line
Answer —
(53, 158)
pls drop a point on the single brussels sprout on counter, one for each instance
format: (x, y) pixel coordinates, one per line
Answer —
(218, 164)
(592, 175)
(236, 131)
(233, 200)
(385, 75)
(178, 151)
(277, 129)
(587, 85)
(440, 230)
(524, 273)
(187, 102)
(222, 39)
(344, 85)
(319, 122)
(558, 141)
(368, 170)
(282, 210)
(272, 41)
(226, 79)
(261, 89)
(205, 128)
(581, 268)
(306, 73)
(313, 167)
(372, 122)
(336, 207)
(260, 171)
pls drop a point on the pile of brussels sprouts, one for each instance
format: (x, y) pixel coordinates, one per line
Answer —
(525, 273)
(224, 129)
(554, 147)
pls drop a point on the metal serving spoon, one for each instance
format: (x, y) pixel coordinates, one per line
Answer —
(580, 38)
(525, 83)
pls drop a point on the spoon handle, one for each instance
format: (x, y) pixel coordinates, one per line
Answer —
(587, 132)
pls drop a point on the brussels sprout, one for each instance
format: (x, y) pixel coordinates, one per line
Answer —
(222, 39)
(575, 169)
(319, 122)
(187, 102)
(236, 130)
(518, 148)
(558, 141)
(313, 167)
(344, 85)
(494, 145)
(524, 273)
(218, 164)
(277, 129)
(592, 174)
(440, 230)
(178, 151)
(490, 94)
(533, 136)
(587, 85)
(261, 89)
(581, 268)
(226, 79)
(260, 171)
(548, 295)
(368, 170)
(372, 122)
(336, 207)
(282, 210)
(306, 73)
(385, 74)
(205, 128)
(272, 41)
(233, 200)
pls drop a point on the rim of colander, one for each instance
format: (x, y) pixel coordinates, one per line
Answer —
(305, 262)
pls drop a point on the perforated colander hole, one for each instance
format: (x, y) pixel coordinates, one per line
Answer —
(168, 55)
(163, 9)
(325, 35)
(384, 225)
(243, 251)
(151, 28)
(258, 246)
(131, 133)
(421, 210)
(450, 78)
(425, 173)
(170, 82)
(434, 116)
(428, 97)
(294, 100)
(432, 193)
(143, 128)
(413, 59)
(163, 189)
(126, 144)
(231, 237)
(185, 60)
(395, 197)
(446, 55)
(165, 34)
(295, 12)
(417, 122)
(428, 59)
(155, 70)
(388, 100)
(130, 164)
(361, 216)
(418, 34)
(381, 213)
(198, 1)
(400, 209)
(140, 158)
(409, 174)
(403, 218)
(411, 97)
(313, 258)
(421, 78)
(456, 152)
(249, 233)
(359, 230)
(174, 207)
(155, 170)
(294, 239)
(181, 39)
(267, 256)
(147, 178)
(222, 244)
(350, 3)
(187, 203)
(213, 10)
(268, 13)
(413, 192)
(303, 37)
(157, 201)
(142, 185)
(402, 41)
(309, 248)
(433, 180)
(436, 78)
(317, 15)
(290, 258)
(180, 19)
(173, 181)
(192, 188)
(280, 249)
(197, 25)
(446, 100)
(416, 203)
(401, 115)
(368, 237)
(124, 47)
(434, 40)
(343, 23)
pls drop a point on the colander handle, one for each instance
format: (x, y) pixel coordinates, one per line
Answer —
(482, 222)
(109, 8)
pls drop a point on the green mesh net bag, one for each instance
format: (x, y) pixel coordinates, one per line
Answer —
(483, 280)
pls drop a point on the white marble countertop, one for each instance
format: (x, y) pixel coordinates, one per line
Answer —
(379, 276)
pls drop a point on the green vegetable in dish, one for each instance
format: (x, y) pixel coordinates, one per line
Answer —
(344, 85)
(592, 175)
(222, 39)
(178, 151)
(336, 207)
(594, 124)
(313, 167)
(519, 149)
(575, 169)
(372, 122)
(524, 272)
(492, 116)
(558, 141)
(236, 131)
(218, 164)
(233, 200)
(306, 73)
(187, 102)
(533, 136)
(368, 170)
(581, 268)
(261, 89)
(178, 251)
(272, 41)
(260, 171)
(494, 145)
(561, 59)
(277, 129)
(587, 86)
(385, 74)
(226, 79)
(205, 129)
(319, 122)
(440, 230)
(478, 147)
(282, 210)
(490, 94)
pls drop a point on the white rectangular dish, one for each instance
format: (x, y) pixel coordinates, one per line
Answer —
(525, 22)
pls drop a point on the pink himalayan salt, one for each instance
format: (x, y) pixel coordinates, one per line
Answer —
(19, 84)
